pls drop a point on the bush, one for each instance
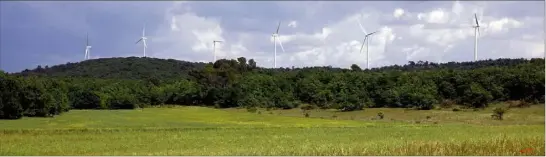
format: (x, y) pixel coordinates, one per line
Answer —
(456, 109)
(85, 99)
(346, 107)
(447, 103)
(122, 101)
(306, 107)
(419, 101)
(476, 96)
(306, 114)
(518, 104)
(498, 113)
(251, 109)
(380, 115)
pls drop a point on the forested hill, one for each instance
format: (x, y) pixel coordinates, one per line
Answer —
(119, 68)
(143, 68)
(127, 83)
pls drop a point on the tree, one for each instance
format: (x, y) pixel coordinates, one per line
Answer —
(355, 67)
(85, 99)
(476, 96)
(10, 106)
(125, 83)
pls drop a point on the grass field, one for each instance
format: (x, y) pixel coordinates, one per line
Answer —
(205, 131)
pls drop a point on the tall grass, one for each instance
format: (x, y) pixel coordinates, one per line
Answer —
(203, 131)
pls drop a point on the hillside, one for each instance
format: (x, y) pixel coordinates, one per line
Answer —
(143, 68)
(118, 68)
(128, 83)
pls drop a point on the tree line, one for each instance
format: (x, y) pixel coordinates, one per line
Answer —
(240, 83)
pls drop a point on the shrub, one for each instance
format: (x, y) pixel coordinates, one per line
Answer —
(456, 109)
(306, 107)
(428, 117)
(498, 113)
(122, 101)
(380, 115)
(346, 107)
(306, 114)
(518, 104)
(251, 109)
(85, 99)
(447, 103)
(476, 96)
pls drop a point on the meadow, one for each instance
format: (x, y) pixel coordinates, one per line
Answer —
(208, 131)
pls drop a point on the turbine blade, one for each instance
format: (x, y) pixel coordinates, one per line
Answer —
(371, 33)
(138, 41)
(476, 18)
(363, 42)
(143, 30)
(87, 41)
(280, 43)
(278, 27)
(361, 27)
(145, 45)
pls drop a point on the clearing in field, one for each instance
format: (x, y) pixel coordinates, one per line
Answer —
(206, 131)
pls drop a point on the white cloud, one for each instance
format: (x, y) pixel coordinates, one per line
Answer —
(503, 24)
(457, 8)
(435, 34)
(191, 40)
(398, 12)
(293, 24)
(437, 16)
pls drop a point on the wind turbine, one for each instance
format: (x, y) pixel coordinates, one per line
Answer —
(143, 39)
(367, 43)
(87, 48)
(476, 32)
(275, 36)
(214, 48)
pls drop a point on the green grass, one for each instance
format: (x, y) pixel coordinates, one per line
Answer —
(515, 116)
(205, 131)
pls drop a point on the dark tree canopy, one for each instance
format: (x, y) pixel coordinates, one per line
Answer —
(128, 83)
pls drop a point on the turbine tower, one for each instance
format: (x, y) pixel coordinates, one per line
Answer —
(366, 42)
(87, 48)
(214, 48)
(275, 36)
(143, 39)
(476, 32)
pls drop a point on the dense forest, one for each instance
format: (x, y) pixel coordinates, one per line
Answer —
(128, 83)
(118, 68)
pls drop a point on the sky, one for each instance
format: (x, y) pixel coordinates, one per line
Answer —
(313, 33)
